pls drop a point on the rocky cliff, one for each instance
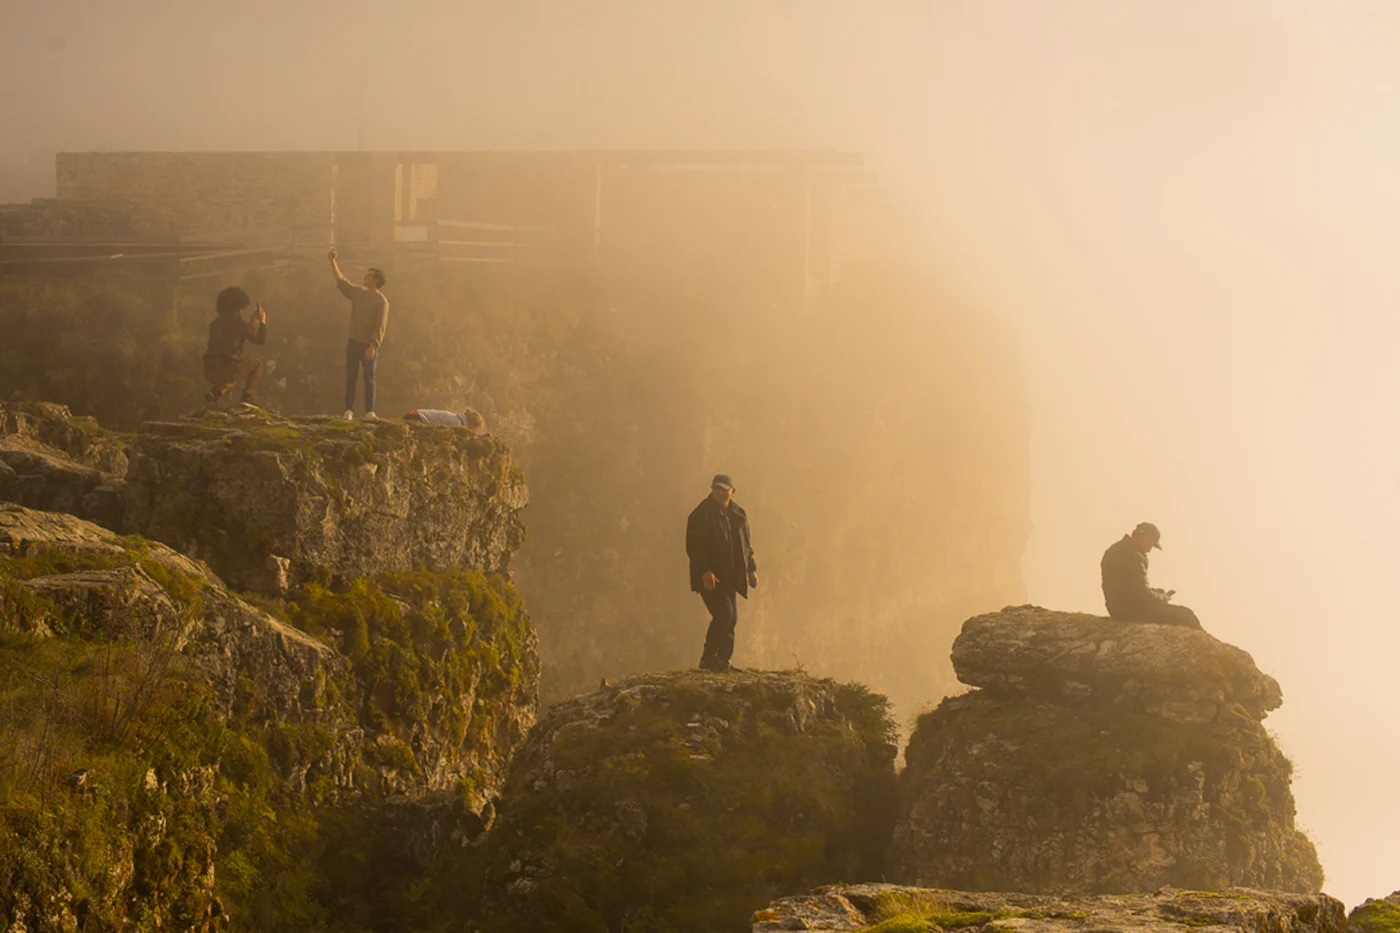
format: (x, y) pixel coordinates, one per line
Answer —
(1099, 757)
(320, 752)
(884, 387)
(1376, 915)
(270, 502)
(685, 801)
(881, 908)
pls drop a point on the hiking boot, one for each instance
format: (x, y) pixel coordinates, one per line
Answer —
(349, 414)
(371, 416)
(212, 398)
(247, 398)
(713, 667)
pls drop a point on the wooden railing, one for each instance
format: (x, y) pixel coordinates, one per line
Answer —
(50, 257)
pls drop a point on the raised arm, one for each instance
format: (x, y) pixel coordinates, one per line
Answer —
(341, 282)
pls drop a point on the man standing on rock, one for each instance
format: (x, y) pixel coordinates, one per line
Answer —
(369, 317)
(722, 567)
(1125, 589)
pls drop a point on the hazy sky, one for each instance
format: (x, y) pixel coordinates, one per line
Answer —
(1186, 207)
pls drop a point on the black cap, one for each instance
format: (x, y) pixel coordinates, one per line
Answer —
(722, 479)
(1147, 528)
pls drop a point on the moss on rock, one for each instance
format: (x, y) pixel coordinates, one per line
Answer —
(1377, 915)
(1100, 774)
(684, 801)
(173, 757)
(272, 502)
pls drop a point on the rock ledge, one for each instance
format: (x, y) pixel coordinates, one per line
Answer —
(855, 908)
(1180, 674)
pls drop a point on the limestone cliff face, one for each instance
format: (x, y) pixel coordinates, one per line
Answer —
(883, 907)
(1099, 756)
(176, 749)
(271, 503)
(685, 801)
(77, 580)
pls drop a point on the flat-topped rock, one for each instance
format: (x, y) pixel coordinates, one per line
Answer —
(271, 502)
(684, 801)
(1181, 674)
(871, 907)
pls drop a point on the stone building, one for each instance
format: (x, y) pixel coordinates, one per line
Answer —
(780, 223)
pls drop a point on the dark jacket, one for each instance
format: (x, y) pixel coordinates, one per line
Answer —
(1125, 589)
(226, 335)
(717, 540)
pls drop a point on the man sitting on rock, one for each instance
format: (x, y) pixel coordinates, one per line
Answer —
(721, 567)
(224, 365)
(1125, 589)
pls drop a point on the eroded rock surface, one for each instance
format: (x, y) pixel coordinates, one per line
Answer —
(270, 502)
(96, 586)
(1099, 756)
(857, 908)
(684, 801)
(1180, 674)
(328, 743)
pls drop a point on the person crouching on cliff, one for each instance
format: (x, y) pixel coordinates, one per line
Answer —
(369, 318)
(1125, 589)
(224, 364)
(722, 567)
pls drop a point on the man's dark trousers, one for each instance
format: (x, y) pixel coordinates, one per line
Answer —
(724, 615)
(1162, 613)
(354, 359)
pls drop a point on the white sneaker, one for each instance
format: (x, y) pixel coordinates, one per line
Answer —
(349, 414)
(371, 416)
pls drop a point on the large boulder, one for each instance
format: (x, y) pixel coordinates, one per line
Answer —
(1182, 674)
(685, 801)
(53, 461)
(883, 907)
(1099, 757)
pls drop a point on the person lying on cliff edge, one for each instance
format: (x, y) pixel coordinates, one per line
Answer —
(470, 419)
(722, 568)
(369, 318)
(1125, 589)
(224, 364)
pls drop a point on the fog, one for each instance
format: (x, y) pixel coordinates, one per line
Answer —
(1184, 208)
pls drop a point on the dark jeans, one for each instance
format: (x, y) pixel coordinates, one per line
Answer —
(724, 615)
(354, 359)
(1163, 614)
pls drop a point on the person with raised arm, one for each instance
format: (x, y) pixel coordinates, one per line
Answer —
(369, 317)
